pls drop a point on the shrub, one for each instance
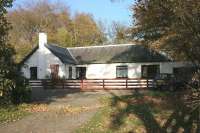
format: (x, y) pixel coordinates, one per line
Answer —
(21, 92)
(14, 89)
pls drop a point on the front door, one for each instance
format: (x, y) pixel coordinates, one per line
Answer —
(81, 72)
(33, 73)
(54, 71)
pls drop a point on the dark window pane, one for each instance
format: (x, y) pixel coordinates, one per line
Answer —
(70, 72)
(81, 72)
(33, 72)
(122, 71)
(150, 71)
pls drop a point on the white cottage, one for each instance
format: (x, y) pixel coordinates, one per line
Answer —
(95, 62)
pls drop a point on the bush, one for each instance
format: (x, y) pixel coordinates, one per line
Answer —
(5, 90)
(15, 90)
(22, 91)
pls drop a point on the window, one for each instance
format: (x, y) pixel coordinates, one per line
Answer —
(150, 71)
(70, 72)
(54, 70)
(33, 72)
(122, 71)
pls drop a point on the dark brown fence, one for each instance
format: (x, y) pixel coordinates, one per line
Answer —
(94, 84)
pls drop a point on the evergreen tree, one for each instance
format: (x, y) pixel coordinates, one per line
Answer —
(11, 84)
(6, 52)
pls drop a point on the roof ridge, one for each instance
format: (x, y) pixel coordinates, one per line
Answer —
(93, 46)
(56, 45)
(96, 46)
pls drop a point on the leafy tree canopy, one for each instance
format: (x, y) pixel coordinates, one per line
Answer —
(56, 20)
(170, 25)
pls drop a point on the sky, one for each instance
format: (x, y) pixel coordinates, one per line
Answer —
(104, 10)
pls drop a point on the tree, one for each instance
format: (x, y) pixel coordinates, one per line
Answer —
(55, 19)
(12, 86)
(6, 51)
(120, 33)
(86, 30)
(172, 26)
(33, 17)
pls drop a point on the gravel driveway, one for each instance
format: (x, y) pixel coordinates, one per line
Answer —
(51, 121)
(54, 122)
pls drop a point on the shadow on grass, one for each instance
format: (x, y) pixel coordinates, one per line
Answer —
(181, 118)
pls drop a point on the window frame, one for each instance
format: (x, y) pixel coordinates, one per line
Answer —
(120, 69)
(147, 71)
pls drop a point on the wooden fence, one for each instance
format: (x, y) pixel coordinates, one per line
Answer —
(94, 84)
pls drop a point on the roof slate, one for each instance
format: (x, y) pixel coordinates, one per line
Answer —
(62, 53)
(116, 54)
(121, 53)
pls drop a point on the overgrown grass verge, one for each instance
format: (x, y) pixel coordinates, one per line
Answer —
(11, 113)
(150, 112)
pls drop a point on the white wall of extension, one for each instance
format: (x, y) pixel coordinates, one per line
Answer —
(99, 71)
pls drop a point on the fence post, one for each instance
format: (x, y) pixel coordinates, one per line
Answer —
(103, 84)
(81, 84)
(126, 83)
(63, 83)
(147, 83)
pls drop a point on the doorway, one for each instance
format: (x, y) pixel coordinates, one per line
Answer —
(81, 72)
(54, 71)
(33, 73)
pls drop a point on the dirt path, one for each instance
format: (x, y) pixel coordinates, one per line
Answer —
(53, 121)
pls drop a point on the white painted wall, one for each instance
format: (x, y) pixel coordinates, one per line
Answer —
(100, 71)
(42, 60)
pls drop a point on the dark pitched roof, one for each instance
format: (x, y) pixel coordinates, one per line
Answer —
(127, 53)
(116, 54)
(62, 53)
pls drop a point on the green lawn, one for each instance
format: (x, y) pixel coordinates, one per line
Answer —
(152, 112)
(12, 113)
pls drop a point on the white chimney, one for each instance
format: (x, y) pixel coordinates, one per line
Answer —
(42, 40)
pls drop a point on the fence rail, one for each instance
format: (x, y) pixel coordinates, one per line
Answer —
(93, 84)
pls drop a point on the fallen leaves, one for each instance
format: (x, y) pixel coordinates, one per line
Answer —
(73, 110)
(37, 108)
(59, 109)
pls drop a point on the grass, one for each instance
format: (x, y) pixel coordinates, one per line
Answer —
(148, 112)
(10, 113)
